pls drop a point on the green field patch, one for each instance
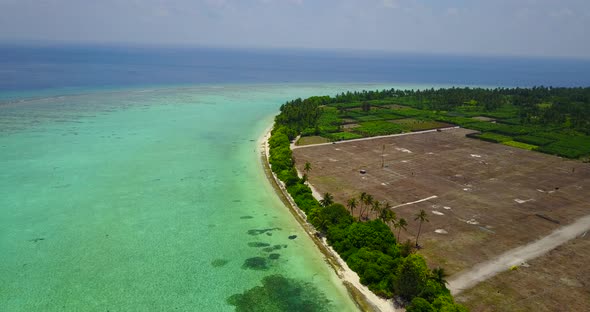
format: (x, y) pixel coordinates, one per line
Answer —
(483, 118)
(535, 140)
(513, 129)
(456, 120)
(413, 112)
(567, 145)
(510, 121)
(561, 150)
(329, 121)
(368, 118)
(412, 124)
(491, 137)
(309, 140)
(340, 136)
(374, 114)
(374, 128)
(525, 146)
(481, 126)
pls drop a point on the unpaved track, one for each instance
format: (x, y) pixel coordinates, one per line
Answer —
(516, 256)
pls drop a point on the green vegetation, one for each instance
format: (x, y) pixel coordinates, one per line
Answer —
(550, 120)
(491, 137)
(369, 247)
(339, 136)
(374, 128)
(310, 140)
(525, 146)
(413, 124)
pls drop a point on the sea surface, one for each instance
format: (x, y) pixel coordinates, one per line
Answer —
(131, 180)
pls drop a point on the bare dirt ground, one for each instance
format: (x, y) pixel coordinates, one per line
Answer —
(482, 199)
(557, 281)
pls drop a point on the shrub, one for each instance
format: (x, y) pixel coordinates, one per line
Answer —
(411, 276)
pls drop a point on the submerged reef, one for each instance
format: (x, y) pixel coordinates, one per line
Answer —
(256, 263)
(258, 244)
(261, 231)
(281, 294)
(219, 263)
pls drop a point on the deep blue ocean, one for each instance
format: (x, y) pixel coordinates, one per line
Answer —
(27, 67)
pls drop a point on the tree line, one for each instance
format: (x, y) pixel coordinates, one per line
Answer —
(566, 107)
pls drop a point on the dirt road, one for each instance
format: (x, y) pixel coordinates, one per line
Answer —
(517, 256)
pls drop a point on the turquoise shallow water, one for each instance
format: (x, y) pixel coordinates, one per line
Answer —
(152, 200)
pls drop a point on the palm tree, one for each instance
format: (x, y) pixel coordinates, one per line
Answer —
(307, 167)
(362, 198)
(351, 205)
(440, 275)
(304, 178)
(327, 200)
(376, 208)
(368, 202)
(387, 214)
(401, 224)
(422, 216)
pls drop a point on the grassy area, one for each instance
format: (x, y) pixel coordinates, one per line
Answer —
(309, 140)
(339, 136)
(375, 128)
(412, 124)
(525, 146)
(492, 137)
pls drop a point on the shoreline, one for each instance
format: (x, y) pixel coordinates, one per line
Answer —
(365, 299)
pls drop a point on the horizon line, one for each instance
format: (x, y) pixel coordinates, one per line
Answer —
(352, 52)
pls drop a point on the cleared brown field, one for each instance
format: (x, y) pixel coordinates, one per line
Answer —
(489, 197)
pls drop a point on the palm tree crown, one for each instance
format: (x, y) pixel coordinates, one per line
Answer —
(351, 205)
(422, 216)
(307, 167)
(327, 200)
(401, 224)
(440, 275)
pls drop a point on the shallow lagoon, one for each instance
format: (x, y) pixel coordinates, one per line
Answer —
(155, 199)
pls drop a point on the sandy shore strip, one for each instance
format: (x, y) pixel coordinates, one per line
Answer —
(365, 299)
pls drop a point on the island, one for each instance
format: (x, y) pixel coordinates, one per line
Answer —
(414, 190)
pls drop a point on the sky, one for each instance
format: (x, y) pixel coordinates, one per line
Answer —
(554, 28)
